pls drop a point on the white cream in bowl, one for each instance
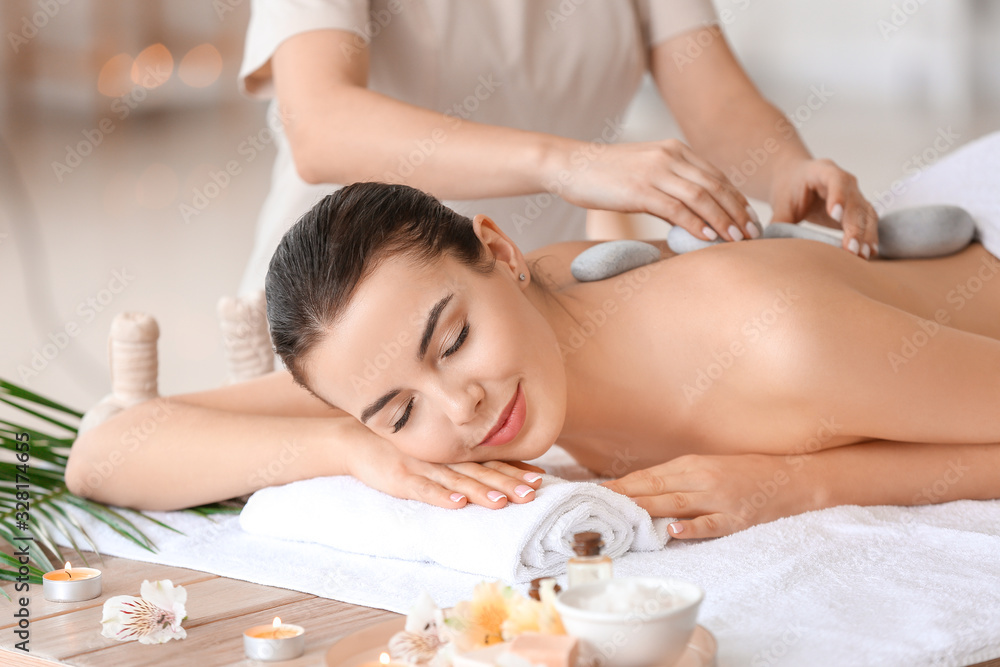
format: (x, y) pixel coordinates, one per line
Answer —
(632, 621)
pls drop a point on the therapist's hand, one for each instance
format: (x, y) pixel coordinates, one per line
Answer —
(717, 495)
(821, 192)
(492, 484)
(662, 178)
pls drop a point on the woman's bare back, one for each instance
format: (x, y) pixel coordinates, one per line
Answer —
(746, 340)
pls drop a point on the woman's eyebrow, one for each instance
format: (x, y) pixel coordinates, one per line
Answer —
(378, 405)
(432, 319)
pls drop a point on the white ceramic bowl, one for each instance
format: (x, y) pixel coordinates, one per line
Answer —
(652, 634)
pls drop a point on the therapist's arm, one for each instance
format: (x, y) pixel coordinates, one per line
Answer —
(342, 132)
(727, 121)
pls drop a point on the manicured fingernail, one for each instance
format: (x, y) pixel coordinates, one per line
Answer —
(837, 213)
(676, 528)
(875, 248)
(753, 214)
(532, 477)
(865, 251)
(853, 246)
(753, 229)
(709, 233)
(494, 496)
(735, 232)
(456, 497)
(523, 490)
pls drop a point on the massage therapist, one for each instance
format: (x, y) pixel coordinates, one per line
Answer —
(513, 107)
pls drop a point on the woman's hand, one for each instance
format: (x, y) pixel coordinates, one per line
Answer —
(821, 192)
(492, 484)
(718, 495)
(662, 178)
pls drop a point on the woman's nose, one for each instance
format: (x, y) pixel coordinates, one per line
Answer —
(462, 403)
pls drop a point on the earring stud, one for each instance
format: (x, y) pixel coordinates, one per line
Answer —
(522, 276)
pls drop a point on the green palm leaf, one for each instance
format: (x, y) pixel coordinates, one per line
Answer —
(46, 515)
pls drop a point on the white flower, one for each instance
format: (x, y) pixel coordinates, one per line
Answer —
(154, 618)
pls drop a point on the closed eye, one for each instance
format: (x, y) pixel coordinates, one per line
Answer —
(405, 418)
(458, 342)
(447, 353)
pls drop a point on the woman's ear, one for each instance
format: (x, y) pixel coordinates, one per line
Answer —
(501, 247)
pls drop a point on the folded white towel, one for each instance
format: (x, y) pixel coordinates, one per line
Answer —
(966, 177)
(516, 543)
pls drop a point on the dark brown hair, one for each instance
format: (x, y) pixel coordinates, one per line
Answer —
(322, 259)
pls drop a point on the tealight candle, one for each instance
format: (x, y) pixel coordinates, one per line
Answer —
(71, 584)
(384, 660)
(277, 641)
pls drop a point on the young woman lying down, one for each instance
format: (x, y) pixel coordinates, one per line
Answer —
(729, 386)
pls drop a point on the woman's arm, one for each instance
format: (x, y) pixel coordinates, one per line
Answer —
(342, 132)
(728, 121)
(185, 450)
(719, 495)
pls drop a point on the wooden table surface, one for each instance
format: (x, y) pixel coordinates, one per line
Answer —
(218, 609)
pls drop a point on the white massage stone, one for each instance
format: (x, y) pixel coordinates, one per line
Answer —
(786, 230)
(681, 241)
(911, 233)
(605, 260)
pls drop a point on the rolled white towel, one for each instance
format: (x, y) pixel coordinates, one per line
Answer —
(515, 544)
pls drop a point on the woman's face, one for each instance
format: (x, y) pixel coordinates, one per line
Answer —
(447, 363)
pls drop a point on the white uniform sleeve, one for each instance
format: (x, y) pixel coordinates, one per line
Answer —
(274, 21)
(663, 19)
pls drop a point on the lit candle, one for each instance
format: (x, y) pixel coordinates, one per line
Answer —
(71, 584)
(277, 641)
(384, 660)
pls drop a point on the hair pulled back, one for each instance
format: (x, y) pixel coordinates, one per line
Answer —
(322, 259)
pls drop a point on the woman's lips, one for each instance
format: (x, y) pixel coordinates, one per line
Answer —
(509, 423)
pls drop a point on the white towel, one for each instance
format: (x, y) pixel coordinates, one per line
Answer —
(516, 543)
(968, 177)
(888, 586)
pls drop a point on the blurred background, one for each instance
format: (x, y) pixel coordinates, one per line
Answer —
(114, 114)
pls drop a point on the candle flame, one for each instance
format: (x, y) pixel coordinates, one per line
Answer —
(277, 623)
(384, 658)
(66, 566)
